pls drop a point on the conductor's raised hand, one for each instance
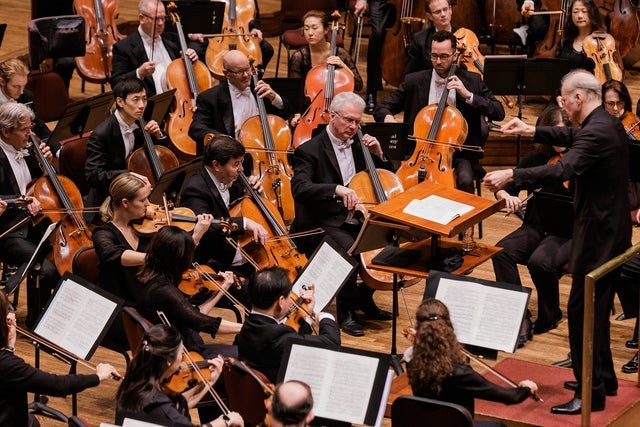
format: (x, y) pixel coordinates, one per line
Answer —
(495, 180)
(516, 126)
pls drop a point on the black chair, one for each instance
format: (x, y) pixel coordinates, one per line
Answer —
(406, 410)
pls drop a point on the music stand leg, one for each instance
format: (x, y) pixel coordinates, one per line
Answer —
(38, 406)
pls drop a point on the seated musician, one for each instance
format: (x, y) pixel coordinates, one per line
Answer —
(467, 92)
(545, 256)
(291, 405)
(585, 19)
(147, 387)
(438, 369)
(18, 166)
(131, 56)
(169, 256)
(116, 138)
(223, 109)
(536, 27)
(211, 190)
(323, 168)
(14, 75)
(264, 335)
(19, 378)
(439, 13)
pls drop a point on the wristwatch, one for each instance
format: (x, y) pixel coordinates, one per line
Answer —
(227, 420)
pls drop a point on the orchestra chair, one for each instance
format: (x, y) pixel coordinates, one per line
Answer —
(85, 264)
(77, 422)
(291, 13)
(135, 327)
(73, 157)
(50, 94)
(405, 410)
(246, 395)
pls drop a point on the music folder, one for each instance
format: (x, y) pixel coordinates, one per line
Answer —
(204, 16)
(158, 106)
(393, 139)
(172, 181)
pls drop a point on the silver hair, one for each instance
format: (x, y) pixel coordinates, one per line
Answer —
(346, 97)
(12, 114)
(583, 81)
(143, 3)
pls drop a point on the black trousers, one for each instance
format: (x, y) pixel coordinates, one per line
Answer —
(379, 13)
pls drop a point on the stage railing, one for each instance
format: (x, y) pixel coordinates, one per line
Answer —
(587, 334)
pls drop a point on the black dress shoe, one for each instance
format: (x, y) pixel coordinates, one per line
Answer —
(574, 406)
(566, 363)
(573, 386)
(632, 343)
(631, 367)
(351, 326)
(370, 105)
(378, 314)
(542, 327)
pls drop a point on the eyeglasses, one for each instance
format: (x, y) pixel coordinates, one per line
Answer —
(442, 57)
(158, 19)
(239, 72)
(612, 104)
(349, 120)
(441, 11)
(25, 129)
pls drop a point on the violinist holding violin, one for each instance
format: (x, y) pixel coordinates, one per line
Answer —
(144, 388)
(264, 334)
(18, 167)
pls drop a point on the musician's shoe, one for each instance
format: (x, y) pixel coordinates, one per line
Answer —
(374, 312)
(632, 343)
(566, 363)
(574, 406)
(351, 326)
(541, 328)
(521, 32)
(573, 386)
(370, 104)
(631, 367)
(526, 332)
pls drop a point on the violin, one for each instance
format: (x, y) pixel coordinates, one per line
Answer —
(202, 278)
(298, 312)
(322, 83)
(189, 79)
(192, 370)
(157, 217)
(552, 161)
(235, 36)
(267, 139)
(446, 130)
(151, 160)
(101, 34)
(631, 125)
(600, 47)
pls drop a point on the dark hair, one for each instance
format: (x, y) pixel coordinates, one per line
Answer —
(160, 344)
(622, 91)
(222, 149)
(441, 36)
(169, 255)
(267, 285)
(551, 116)
(127, 86)
(4, 327)
(427, 5)
(317, 14)
(293, 414)
(571, 31)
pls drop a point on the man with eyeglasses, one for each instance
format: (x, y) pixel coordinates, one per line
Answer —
(598, 162)
(323, 168)
(223, 109)
(18, 166)
(147, 52)
(467, 92)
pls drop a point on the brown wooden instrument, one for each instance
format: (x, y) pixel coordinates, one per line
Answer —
(151, 160)
(322, 83)
(202, 279)
(631, 125)
(548, 46)
(267, 139)
(409, 19)
(624, 24)
(235, 36)
(101, 34)
(279, 249)
(59, 193)
(189, 79)
(19, 201)
(299, 310)
(469, 51)
(158, 216)
(431, 160)
(600, 47)
(192, 370)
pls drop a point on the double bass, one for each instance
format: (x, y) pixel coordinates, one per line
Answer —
(101, 34)
(189, 79)
(267, 138)
(151, 160)
(322, 83)
(548, 46)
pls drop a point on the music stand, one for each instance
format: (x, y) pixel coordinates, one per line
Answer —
(205, 17)
(634, 161)
(3, 28)
(172, 181)
(158, 106)
(392, 138)
(82, 116)
(289, 88)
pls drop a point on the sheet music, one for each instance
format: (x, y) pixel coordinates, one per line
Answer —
(436, 209)
(75, 318)
(327, 270)
(130, 422)
(341, 383)
(483, 315)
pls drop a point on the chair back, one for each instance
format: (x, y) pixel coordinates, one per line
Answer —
(85, 264)
(73, 157)
(50, 94)
(77, 422)
(246, 395)
(134, 327)
(405, 410)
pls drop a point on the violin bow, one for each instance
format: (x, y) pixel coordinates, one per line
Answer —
(165, 202)
(153, 30)
(221, 288)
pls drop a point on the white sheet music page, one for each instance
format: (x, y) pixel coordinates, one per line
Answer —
(482, 315)
(436, 209)
(75, 318)
(341, 383)
(326, 271)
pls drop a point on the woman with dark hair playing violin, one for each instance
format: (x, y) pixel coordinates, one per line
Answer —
(437, 368)
(144, 388)
(18, 378)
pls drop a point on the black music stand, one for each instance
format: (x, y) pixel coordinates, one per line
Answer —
(172, 181)
(158, 106)
(204, 16)
(3, 28)
(634, 161)
(83, 116)
(56, 37)
(289, 88)
(393, 139)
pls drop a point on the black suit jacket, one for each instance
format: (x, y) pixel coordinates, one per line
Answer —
(262, 341)
(598, 161)
(413, 95)
(214, 114)
(129, 54)
(201, 195)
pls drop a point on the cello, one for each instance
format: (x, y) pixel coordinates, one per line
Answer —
(235, 36)
(322, 83)
(151, 160)
(548, 46)
(445, 128)
(600, 47)
(101, 34)
(189, 79)
(62, 201)
(267, 138)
